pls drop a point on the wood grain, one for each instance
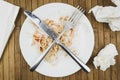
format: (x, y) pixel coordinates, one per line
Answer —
(14, 67)
(118, 57)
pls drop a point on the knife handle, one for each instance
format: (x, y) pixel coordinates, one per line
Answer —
(75, 58)
(38, 61)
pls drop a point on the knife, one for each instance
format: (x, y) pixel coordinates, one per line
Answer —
(54, 36)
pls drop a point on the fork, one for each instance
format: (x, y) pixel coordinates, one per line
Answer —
(72, 21)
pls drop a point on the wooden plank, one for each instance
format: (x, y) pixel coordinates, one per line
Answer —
(113, 68)
(90, 75)
(45, 1)
(71, 2)
(84, 75)
(88, 7)
(35, 76)
(95, 28)
(75, 3)
(51, 1)
(29, 5)
(101, 40)
(23, 7)
(24, 73)
(34, 4)
(66, 78)
(107, 41)
(29, 74)
(6, 63)
(40, 3)
(118, 57)
(11, 54)
(17, 57)
(78, 75)
(64, 1)
(11, 58)
(101, 45)
(47, 78)
(16, 46)
(1, 69)
(82, 3)
(114, 41)
(58, 0)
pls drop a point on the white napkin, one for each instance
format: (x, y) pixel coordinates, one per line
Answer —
(116, 2)
(8, 14)
(105, 57)
(108, 14)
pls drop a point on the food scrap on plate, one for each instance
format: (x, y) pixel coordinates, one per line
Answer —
(44, 41)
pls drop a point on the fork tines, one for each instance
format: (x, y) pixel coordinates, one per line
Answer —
(77, 14)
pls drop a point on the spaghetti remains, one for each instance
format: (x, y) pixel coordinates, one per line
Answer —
(44, 41)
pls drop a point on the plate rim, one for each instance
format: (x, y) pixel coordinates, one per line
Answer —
(34, 12)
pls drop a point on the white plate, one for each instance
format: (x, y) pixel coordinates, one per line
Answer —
(83, 41)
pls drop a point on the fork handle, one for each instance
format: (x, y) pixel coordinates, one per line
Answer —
(75, 58)
(38, 61)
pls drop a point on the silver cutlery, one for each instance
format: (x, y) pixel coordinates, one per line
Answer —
(71, 22)
(72, 17)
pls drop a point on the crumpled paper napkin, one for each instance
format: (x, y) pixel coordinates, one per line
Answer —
(8, 14)
(108, 14)
(105, 57)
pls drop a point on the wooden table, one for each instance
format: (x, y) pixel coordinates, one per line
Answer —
(14, 67)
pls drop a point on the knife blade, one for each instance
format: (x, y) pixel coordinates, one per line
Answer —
(54, 36)
(41, 24)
